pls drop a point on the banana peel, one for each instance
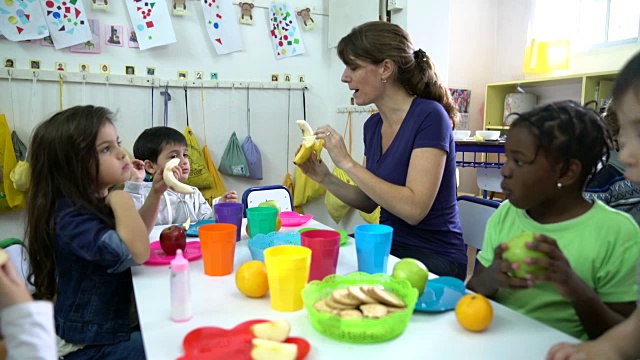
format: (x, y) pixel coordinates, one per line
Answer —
(309, 144)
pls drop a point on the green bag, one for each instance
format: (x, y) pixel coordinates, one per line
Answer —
(233, 160)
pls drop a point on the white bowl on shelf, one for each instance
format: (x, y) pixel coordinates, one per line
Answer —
(488, 134)
(461, 134)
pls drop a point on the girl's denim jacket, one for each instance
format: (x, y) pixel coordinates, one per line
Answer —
(93, 271)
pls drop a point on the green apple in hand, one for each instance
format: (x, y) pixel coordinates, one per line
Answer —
(517, 252)
(413, 271)
(270, 203)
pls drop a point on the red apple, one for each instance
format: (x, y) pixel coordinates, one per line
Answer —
(173, 238)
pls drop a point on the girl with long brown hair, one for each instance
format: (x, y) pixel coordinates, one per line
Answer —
(83, 238)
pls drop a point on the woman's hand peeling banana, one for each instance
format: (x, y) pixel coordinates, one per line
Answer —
(171, 180)
(309, 144)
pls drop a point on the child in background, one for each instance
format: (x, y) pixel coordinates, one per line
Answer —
(589, 282)
(82, 238)
(621, 342)
(26, 325)
(609, 184)
(152, 150)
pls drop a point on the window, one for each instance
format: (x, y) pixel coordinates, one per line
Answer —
(607, 23)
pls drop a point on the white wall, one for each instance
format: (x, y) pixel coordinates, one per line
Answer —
(427, 21)
(224, 109)
(472, 56)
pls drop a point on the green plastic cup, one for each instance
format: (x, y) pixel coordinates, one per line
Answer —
(262, 220)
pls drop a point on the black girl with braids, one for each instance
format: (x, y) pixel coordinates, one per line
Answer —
(409, 164)
(586, 283)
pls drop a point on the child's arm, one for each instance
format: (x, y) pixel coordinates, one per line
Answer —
(621, 342)
(596, 317)
(129, 225)
(27, 325)
(487, 281)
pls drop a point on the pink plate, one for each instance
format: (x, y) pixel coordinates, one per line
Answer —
(158, 257)
(292, 218)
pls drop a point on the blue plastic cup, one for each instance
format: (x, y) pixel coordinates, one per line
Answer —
(373, 246)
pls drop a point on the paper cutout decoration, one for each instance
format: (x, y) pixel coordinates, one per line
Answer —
(113, 35)
(133, 38)
(223, 30)
(92, 46)
(179, 7)
(22, 20)
(67, 22)
(285, 34)
(245, 13)
(151, 22)
(307, 20)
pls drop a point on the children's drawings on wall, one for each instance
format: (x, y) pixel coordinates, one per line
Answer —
(307, 20)
(93, 46)
(67, 22)
(284, 31)
(222, 27)
(113, 35)
(133, 38)
(461, 98)
(151, 22)
(22, 20)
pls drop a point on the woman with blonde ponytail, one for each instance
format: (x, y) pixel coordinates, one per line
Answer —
(409, 167)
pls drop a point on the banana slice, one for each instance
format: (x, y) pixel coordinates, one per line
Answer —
(171, 180)
(186, 225)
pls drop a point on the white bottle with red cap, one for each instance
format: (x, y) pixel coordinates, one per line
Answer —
(180, 289)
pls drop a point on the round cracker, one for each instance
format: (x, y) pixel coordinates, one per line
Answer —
(343, 297)
(393, 310)
(386, 297)
(351, 314)
(356, 292)
(374, 311)
(338, 306)
(322, 306)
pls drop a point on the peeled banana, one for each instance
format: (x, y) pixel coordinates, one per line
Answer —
(171, 180)
(309, 144)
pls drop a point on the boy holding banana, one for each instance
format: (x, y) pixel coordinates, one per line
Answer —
(153, 149)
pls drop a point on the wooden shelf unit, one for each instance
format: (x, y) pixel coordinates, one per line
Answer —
(581, 87)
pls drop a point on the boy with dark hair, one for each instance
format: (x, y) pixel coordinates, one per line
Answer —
(152, 150)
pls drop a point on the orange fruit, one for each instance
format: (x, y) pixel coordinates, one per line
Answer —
(474, 312)
(251, 279)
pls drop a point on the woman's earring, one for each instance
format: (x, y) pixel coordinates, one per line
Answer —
(383, 80)
(559, 185)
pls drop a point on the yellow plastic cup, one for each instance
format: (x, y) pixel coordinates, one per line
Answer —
(288, 272)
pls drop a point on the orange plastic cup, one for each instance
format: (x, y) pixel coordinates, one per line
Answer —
(218, 245)
(288, 272)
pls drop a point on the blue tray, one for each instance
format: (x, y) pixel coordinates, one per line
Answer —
(441, 294)
(193, 228)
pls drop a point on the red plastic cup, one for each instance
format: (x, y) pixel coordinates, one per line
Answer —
(325, 247)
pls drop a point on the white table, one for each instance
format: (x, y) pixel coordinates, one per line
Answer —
(217, 302)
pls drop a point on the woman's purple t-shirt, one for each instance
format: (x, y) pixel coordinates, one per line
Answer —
(426, 125)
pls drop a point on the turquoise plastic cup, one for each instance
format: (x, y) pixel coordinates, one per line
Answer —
(262, 220)
(373, 246)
